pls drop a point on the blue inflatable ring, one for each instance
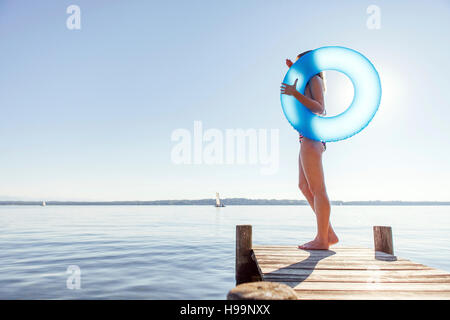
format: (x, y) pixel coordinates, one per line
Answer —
(366, 99)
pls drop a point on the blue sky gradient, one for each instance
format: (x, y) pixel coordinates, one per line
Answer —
(88, 114)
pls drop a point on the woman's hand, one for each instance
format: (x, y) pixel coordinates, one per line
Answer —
(289, 63)
(288, 89)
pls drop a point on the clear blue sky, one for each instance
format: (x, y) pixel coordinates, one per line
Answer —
(88, 114)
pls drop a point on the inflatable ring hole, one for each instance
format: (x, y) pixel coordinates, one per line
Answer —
(339, 92)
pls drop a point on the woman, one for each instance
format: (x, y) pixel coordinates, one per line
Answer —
(311, 176)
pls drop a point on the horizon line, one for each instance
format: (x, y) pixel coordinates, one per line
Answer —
(211, 201)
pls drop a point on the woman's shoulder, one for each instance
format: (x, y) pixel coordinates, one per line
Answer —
(317, 84)
(316, 78)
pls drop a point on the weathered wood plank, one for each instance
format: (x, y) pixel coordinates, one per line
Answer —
(355, 286)
(350, 273)
(340, 266)
(333, 260)
(298, 252)
(328, 257)
(357, 278)
(356, 275)
(321, 255)
(295, 247)
(371, 295)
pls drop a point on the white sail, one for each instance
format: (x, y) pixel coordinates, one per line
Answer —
(217, 200)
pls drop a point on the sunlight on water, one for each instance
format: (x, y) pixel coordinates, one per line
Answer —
(180, 252)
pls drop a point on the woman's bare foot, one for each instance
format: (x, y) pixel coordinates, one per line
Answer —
(332, 237)
(316, 244)
(306, 244)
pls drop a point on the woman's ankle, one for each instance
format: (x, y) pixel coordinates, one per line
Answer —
(321, 238)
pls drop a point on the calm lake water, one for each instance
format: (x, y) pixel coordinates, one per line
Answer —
(180, 252)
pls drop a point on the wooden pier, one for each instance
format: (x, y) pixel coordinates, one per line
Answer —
(338, 273)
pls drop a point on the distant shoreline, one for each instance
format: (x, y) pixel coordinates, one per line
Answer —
(227, 202)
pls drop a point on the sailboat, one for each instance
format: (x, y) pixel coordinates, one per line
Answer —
(43, 204)
(218, 203)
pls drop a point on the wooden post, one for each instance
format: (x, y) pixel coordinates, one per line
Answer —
(382, 237)
(262, 290)
(245, 266)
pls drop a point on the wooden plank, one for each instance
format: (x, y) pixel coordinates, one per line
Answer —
(350, 273)
(424, 276)
(371, 295)
(324, 254)
(341, 266)
(333, 249)
(319, 252)
(299, 262)
(336, 259)
(355, 286)
(295, 247)
(329, 257)
(273, 274)
(358, 278)
(336, 250)
(313, 251)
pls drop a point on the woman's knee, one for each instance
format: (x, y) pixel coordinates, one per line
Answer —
(318, 190)
(304, 187)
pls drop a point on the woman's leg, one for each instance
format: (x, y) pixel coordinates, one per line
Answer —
(304, 188)
(303, 183)
(311, 160)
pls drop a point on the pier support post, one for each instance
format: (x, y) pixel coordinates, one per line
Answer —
(262, 290)
(246, 270)
(382, 237)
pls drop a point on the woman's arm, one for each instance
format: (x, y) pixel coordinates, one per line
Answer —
(316, 105)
